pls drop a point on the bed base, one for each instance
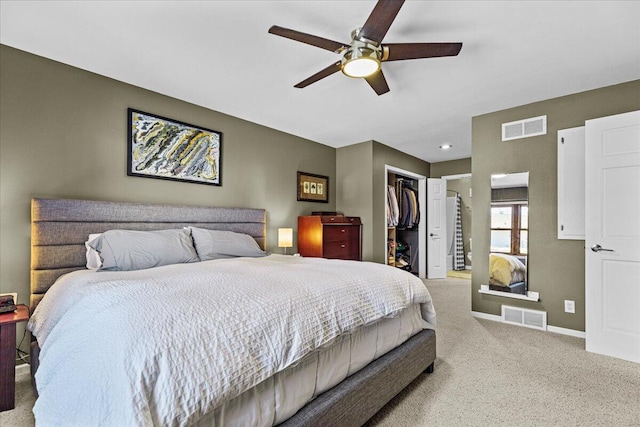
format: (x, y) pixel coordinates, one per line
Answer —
(360, 396)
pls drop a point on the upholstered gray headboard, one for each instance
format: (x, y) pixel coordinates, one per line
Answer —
(59, 228)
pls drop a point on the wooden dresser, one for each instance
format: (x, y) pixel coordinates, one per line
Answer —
(330, 236)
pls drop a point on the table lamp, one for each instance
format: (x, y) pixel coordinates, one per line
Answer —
(285, 238)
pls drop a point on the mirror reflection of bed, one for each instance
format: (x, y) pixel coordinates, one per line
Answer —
(508, 257)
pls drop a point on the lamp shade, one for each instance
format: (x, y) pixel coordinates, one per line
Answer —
(285, 237)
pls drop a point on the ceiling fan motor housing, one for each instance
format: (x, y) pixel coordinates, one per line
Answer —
(361, 51)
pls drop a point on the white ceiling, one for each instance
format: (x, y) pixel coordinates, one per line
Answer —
(218, 54)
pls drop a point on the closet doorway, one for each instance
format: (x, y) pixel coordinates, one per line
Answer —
(459, 243)
(406, 243)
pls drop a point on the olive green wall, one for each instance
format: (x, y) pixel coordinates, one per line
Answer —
(63, 134)
(451, 167)
(556, 267)
(355, 189)
(362, 191)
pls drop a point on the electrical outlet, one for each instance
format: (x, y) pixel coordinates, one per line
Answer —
(569, 306)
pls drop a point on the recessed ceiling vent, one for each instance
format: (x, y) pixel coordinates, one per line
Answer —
(524, 317)
(524, 128)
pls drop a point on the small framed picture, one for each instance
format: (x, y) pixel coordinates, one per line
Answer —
(313, 188)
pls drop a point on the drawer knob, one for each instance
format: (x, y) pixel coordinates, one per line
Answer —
(343, 246)
(343, 230)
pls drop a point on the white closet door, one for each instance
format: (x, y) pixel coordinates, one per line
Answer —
(436, 228)
(613, 236)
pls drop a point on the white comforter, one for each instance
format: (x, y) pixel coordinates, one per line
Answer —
(167, 345)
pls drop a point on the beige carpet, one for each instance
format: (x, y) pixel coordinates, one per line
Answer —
(493, 374)
(489, 374)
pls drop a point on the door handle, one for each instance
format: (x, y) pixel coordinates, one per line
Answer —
(598, 248)
(433, 235)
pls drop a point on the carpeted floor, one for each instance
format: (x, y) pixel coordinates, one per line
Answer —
(493, 374)
(488, 374)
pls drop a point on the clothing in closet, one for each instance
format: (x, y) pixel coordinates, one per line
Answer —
(393, 212)
(409, 208)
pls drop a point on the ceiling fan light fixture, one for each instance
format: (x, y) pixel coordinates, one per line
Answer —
(360, 62)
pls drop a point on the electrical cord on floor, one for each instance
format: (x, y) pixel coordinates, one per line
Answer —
(23, 356)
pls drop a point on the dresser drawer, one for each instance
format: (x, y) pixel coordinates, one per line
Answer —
(339, 233)
(347, 249)
(334, 219)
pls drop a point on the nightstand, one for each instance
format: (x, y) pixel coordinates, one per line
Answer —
(8, 355)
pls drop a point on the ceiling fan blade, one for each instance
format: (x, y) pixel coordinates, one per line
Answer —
(402, 51)
(320, 42)
(333, 68)
(380, 19)
(378, 83)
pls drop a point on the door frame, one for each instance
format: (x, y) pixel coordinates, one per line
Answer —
(452, 178)
(422, 201)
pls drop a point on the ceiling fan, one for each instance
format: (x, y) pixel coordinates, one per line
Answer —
(363, 57)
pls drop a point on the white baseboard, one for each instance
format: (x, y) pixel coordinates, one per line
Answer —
(486, 316)
(565, 331)
(550, 328)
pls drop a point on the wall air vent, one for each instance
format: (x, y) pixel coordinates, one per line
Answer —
(524, 317)
(524, 128)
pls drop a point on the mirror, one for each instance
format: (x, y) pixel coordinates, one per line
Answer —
(508, 252)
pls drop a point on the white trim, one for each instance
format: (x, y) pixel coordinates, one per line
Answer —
(554, 329)
(422, 201)
(486, 316)
(531, 296)
(565, 331)
(389, 168)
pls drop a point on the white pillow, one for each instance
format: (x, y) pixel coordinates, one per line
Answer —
(93, 257)
(216, 244)
(127, 250)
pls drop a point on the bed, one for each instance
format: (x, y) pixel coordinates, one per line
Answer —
(348, 387)
(507, 273)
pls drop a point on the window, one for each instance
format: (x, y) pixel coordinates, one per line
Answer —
(509, 228)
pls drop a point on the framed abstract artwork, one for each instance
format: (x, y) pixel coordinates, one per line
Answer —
(313, 188)
(164, 148)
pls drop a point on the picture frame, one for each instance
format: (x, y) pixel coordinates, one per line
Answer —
(163, 148)
(312, 187)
